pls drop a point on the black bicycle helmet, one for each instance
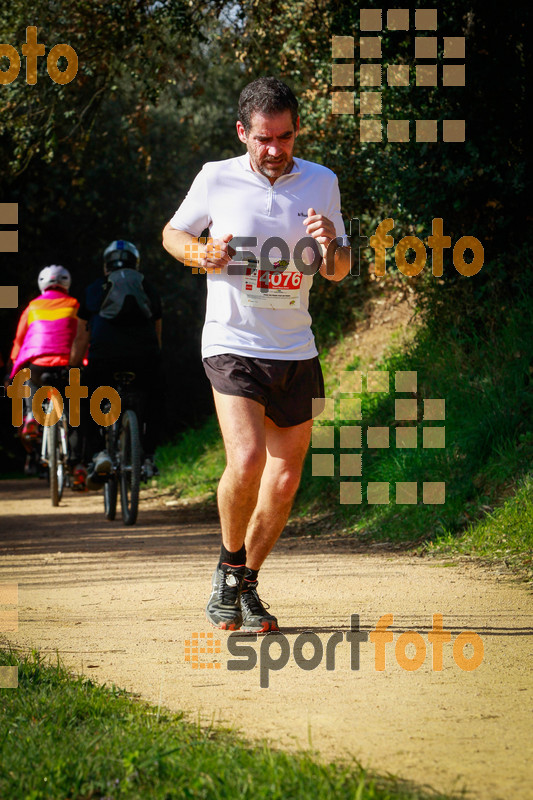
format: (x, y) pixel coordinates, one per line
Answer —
(121, 254)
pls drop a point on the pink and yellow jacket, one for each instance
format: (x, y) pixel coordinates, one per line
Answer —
(46, 331)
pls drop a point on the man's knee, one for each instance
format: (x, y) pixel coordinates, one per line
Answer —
(246, 465)
(287, 482)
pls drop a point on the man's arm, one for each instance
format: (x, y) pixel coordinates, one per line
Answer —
(80, 344)
(342, 261)
(323, 230)
(212, 256)
(175, 242)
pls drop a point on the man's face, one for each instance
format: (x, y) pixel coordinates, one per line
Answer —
(270, 142)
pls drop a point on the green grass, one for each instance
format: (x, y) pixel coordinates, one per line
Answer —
(195, 462)
(487, 386)
(13, 475)
(66, 737)
(486, 381)
(11, 466)
(505, 534)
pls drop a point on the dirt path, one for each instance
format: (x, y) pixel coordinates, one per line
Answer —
(119, 604)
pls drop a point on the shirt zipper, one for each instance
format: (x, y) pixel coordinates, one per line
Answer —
(270, 197)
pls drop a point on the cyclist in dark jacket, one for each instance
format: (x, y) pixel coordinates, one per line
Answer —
(119, 319)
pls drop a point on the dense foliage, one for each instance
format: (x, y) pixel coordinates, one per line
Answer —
(112, 153)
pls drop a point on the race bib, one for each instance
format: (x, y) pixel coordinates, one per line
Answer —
(271, 289)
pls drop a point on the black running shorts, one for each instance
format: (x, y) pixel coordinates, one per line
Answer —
(285, 388)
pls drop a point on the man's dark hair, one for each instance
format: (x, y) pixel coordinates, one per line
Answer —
(266, 96)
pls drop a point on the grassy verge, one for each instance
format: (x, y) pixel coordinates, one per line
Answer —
(506, 534)
(65, 736)
(194, 463)
(13, 475)
(487, 385)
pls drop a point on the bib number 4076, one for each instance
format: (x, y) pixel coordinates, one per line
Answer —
(266, 279)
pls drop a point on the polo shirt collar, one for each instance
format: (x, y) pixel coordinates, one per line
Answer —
(244, 161)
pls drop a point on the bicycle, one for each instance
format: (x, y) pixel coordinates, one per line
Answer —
(55, 450)
(123, 443)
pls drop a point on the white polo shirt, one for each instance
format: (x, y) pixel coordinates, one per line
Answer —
(259, 314)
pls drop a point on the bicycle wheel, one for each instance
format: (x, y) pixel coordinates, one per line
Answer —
(110, 497)
(56, 470)
(111, 486)
(62, 469)
(65, 455)
(130, 467)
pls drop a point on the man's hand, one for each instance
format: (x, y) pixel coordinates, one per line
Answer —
(210, 257)
(216, 254)
(320, 228)
(323, 230)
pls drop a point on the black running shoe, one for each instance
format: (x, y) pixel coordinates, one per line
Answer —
(223, 608)
(99, 470)
(255, 617)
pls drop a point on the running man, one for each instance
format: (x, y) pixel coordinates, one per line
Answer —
(257, 346)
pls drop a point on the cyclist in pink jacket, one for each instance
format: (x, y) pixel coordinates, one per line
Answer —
(44, 336)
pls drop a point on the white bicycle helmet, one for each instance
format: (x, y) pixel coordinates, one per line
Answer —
(54, 275)
(121, 254)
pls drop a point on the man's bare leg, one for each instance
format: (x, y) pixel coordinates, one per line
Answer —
(255, 496)
(242, 422)
(257, 488)
(286, 450)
